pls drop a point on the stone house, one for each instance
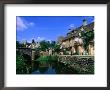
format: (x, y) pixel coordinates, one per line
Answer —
(74, 41)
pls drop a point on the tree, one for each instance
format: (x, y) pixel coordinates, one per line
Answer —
(17, 44)
(44, 45)
(87, 37)
(53, 43)
(20, 65)
(57, 48)
(33, 41)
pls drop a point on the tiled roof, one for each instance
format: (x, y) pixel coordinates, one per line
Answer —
(75, 32)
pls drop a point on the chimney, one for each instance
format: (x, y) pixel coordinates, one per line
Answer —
(84, 22)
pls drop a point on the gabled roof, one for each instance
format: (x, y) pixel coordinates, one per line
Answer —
(89, 26)
(75, 32)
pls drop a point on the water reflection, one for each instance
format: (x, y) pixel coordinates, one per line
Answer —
(44, 67)
(48, 67)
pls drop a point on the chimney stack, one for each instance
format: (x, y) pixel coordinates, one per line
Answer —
(84, 22)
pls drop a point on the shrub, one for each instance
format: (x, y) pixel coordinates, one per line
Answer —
(20, 65)
(43, 58)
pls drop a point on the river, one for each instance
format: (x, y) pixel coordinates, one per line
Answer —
(52, 67)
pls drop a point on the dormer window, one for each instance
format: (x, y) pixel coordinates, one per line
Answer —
(79, 34)
(82, 29)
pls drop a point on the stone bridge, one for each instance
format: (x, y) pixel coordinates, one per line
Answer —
(28, 51)
(84, 64)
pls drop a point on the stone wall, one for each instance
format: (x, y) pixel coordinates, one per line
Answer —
(82, 64)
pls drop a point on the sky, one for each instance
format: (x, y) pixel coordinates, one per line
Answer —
(47, 27)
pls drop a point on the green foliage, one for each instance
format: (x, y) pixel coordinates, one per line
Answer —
(87, 37)
(53, 43)
(18, 44)
(53, 58)
(56, 48)
(44, 45)
(47, 58)
(20, 65)
(43, 58)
